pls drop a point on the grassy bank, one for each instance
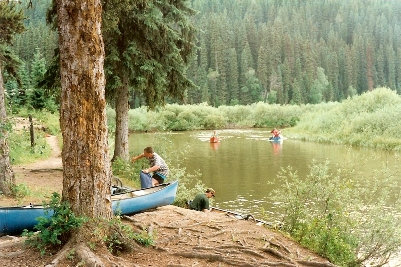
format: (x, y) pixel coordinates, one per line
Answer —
(351, 219)
(369, 120)
(175, 117)
(19, 136)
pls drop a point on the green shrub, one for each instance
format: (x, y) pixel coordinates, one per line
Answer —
(174, 117)
(340, 214)
(21, 150)
(128, 171)
(20, 191)
(120, 237)
(372, 119)
(56, 230)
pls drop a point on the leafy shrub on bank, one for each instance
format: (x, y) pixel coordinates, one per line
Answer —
(56, 230)
(174, 117)
(340, 214)
(372, 119)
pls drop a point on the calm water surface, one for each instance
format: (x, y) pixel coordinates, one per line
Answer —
(243, 167)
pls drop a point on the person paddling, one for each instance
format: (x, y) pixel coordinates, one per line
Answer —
(275, 133)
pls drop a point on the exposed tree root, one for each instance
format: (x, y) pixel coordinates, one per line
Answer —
(11, 254)
(279, 263)
(214, 227)
(83, 253)
(239, 249)
(218, 233)
(12, 242)
(315, 263)
(276, 254)
(277, 245)
(230, 246)
(134, 222)
(213, 257)
(59, 256)
(90, 258)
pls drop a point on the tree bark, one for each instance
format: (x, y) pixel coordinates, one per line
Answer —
(122, 108)
(86, 165)
(7, 178)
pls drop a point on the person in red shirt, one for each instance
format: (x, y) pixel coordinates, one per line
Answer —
(275, 133)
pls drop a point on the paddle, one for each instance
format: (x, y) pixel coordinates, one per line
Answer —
(245, 217)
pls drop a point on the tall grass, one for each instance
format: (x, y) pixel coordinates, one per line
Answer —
(372, 120)
(175, 117)
(349, 218)
(21, 150)
(19, 140)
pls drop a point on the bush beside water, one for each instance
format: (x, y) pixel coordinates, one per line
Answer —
(175, 117)
(371, 120)
(341, 215)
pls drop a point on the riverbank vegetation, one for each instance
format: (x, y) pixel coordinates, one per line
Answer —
(349, 218)
(174, 117)
(372, 119)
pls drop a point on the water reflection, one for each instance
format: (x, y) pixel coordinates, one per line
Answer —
(276, 147)
(243, 167)
(215, 146)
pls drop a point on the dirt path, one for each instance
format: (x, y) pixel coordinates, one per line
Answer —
(42, 178)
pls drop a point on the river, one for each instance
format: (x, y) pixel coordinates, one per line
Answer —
(243, 166)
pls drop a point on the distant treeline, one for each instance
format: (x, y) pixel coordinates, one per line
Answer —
(294, 51)
(275, 51)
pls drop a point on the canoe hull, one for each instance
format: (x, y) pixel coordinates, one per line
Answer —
(155, 197)
(279, 139)
(14, 219)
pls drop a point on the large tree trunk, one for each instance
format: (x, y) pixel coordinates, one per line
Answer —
(86, 165)
(7, 179)
(122, 108)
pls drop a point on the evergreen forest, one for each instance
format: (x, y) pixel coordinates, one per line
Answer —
(275, 51)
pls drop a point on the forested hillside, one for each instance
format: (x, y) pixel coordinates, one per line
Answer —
(277, 51)
(294, 51)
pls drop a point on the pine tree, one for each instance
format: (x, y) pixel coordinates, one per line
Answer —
(37, 96)
(233, 76)
(11, 23)
(390, 60)
(151, 59)
(398, 70)
(319, 87)
(296, 97)
(246, 64)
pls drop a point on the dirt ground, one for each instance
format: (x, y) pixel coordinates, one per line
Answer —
(182, 237)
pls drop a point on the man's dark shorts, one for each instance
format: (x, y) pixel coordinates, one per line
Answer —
(158, 178)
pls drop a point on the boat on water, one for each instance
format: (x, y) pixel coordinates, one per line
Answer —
(214, 139)
(13, 220)
(277, 139)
